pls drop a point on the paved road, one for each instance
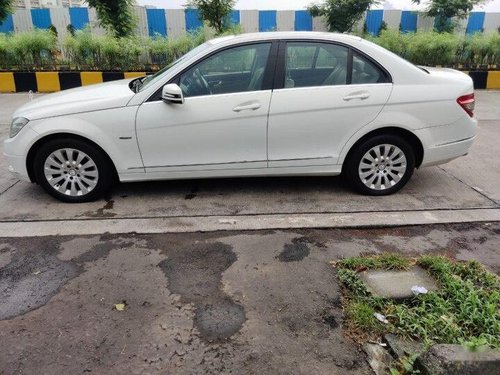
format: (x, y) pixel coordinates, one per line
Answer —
(260, 302)
(468, 183)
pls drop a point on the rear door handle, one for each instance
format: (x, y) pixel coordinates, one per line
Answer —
(357, 95)
(247, 107)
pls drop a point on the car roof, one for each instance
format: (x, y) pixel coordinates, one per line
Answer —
(272, 35)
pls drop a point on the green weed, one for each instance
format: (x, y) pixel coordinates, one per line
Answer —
(465, 310)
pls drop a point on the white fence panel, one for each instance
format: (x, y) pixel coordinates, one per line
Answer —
(22, 20)
(285, 20)
(425, 23)
(249, 20)
(176, 22)
(319, 24)
(95, 27)
(392, 18)
(461, 24)
(60, 19)
(142, 22)
(491, 22)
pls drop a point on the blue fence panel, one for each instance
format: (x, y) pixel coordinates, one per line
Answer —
(41, 18)
(8, 25)
(267, 20)
(475, 23)
(79, 17)
(157, 22)
(234, 18)
(408, 21)
(374, 21)
(193, 20)
(303, 21)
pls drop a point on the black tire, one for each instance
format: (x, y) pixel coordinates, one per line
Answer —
(351, 166)
(106, 173)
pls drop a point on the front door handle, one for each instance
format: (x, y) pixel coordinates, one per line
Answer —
(252, 106)
(357, 95)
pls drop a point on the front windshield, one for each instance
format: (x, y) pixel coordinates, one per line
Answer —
(152, 79)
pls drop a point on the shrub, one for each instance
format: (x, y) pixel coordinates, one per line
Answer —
(32, 50)
(6, 56)
(494, 41)
(394, 41)
(479, 48)
(38, 49)
(433, 48)
(88, 51)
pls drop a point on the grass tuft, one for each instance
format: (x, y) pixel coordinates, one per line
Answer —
(464, 311)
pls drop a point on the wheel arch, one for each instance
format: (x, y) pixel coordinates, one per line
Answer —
(407, 135)
(39, 143)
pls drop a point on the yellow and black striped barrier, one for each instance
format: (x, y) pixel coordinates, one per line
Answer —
(56, 81)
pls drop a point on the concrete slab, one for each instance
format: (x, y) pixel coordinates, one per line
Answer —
(401, 348)
(397, 284)
(378, 358)
(430, 189)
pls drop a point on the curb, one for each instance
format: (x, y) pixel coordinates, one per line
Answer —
(243, 222)
(57, 81)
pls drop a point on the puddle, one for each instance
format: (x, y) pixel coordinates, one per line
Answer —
(294, 252)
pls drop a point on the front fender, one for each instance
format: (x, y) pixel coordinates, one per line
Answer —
(113, 130)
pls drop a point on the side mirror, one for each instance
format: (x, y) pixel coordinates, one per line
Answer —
(172, 93)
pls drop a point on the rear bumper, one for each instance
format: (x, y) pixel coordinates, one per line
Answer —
(444, 153)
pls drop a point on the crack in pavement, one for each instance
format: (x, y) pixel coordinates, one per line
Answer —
(10, 187)
(469, 186)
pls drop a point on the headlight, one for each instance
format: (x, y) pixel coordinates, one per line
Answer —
(17, 124)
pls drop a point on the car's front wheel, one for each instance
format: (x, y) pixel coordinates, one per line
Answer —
(72, 170)
(380, 165)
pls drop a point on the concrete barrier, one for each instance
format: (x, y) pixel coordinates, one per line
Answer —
(55, 81)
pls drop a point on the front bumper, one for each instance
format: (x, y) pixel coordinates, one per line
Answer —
(15, 152)
(17, 166)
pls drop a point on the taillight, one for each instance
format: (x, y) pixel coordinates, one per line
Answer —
(467, 103)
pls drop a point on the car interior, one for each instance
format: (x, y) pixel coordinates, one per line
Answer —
(242, 69)
(237, 70)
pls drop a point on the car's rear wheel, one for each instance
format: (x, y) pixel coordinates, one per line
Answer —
(72, 170)
(380, 165)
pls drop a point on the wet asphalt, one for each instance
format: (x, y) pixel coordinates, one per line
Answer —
(198, 303)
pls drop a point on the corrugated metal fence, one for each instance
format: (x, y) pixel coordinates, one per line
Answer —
(175, 22)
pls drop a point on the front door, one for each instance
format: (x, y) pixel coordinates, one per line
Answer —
(223, 121)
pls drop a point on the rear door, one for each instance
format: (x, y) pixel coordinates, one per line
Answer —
(324, 93)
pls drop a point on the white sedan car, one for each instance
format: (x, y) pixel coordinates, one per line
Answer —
(267, 104)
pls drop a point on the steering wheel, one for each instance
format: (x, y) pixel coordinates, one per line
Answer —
(202, 82)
